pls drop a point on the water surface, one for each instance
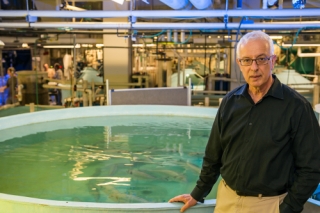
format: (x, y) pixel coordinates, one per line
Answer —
(113, 159)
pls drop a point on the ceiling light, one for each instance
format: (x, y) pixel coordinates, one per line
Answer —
(62, 46)
(276, 37)
(25, 45)
(86, 45)
(99, 45)
(300, 45)
(118, 1)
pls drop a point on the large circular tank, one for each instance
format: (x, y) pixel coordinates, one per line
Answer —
(32, 91)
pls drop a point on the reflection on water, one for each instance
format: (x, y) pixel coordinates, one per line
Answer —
(150, 159)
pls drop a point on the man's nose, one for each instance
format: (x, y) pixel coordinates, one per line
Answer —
(254, 65)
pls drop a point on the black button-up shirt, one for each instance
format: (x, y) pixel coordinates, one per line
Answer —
(264, 148)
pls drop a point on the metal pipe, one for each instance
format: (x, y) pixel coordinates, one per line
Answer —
(72, 78)
(301, 55)
(265, 4)
(161, 26)
(82, 25)
(162, 13)
(280, 2)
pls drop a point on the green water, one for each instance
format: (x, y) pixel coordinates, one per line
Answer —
(119, 159)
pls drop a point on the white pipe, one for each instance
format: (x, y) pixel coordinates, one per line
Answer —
(84, 94)
(107, 92)
(168, 35)
(201, 4)
(82, 25)
(303, 55)
(235, 26)
(161, 26)
(182, 36)
(19, 95)
(14, 25)
(273, 25)
(89, 95)
(60, 40)
(189, 92)
(163, 13)
(175, 36)
(93, 91)
(265, 4)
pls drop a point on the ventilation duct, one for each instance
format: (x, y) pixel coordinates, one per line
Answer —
(201, 4)
(175, 4)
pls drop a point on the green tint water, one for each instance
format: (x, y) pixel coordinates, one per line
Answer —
(123, 159)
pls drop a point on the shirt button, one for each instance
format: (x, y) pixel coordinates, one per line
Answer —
(250, 124)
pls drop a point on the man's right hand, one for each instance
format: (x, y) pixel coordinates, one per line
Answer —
(186, 199)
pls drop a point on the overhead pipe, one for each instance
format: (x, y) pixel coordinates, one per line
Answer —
(234, 26)
(82, 25)
(167, 26)
(305, 55)
(265, 4)
(162, 13)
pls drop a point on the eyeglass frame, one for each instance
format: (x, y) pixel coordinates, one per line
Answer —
(268, 59)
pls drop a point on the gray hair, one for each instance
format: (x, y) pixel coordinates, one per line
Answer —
(254, 35)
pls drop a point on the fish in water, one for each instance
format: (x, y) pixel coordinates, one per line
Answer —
(169, 175)
(141, 174)
(121, 197)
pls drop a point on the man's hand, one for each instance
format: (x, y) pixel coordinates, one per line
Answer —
(186, 199)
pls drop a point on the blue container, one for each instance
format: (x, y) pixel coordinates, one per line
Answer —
(299, 4)
(316, 194)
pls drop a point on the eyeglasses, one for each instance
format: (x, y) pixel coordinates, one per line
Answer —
(259, 61)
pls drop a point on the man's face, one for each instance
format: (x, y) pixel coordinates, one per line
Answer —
(256, 75)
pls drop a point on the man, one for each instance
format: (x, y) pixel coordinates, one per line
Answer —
(45, 67)
(265, 141)
(12, 84)
(50, 71)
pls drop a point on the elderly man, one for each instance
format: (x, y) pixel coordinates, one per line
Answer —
(265, 141)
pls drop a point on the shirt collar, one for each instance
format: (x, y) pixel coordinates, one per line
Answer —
(275, 89)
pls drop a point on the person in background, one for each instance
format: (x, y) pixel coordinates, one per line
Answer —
(50, 71)
(264, 142)
(45, 67)
(58, 72)
(12, 86)
(59, 76)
